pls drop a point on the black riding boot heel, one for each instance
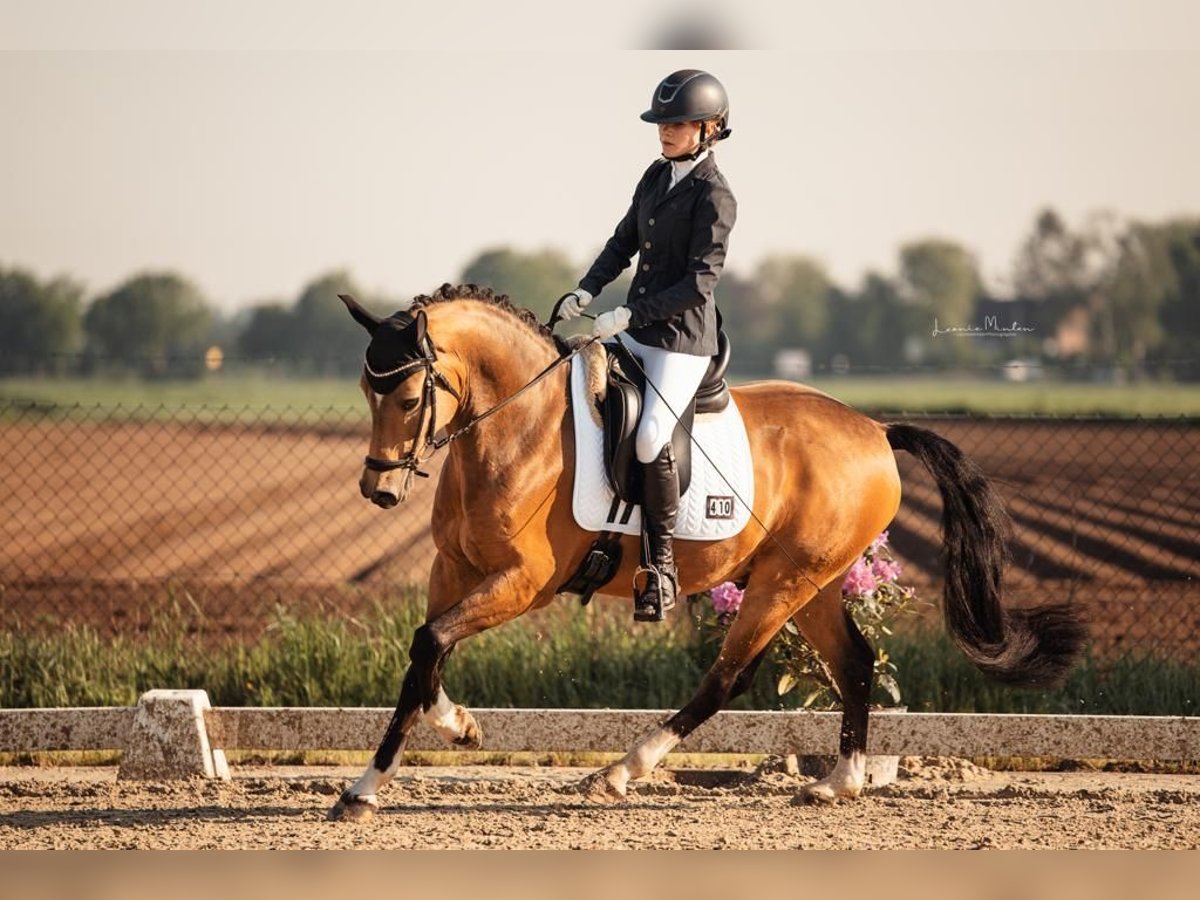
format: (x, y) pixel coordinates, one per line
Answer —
(660, 506)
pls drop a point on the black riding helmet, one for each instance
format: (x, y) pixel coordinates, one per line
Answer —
(691, 95)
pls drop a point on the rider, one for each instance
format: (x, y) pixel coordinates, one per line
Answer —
(678, 224)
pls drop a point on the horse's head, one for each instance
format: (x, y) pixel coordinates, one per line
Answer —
(411, 399)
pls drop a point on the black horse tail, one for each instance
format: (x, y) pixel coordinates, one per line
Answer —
(1025, 647)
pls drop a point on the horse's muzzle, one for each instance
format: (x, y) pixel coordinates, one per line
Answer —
(384, 499)
(388, 487)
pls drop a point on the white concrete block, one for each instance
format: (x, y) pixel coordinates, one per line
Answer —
(168, 739)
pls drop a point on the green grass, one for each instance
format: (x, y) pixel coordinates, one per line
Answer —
(950, 393)
(220, 396)
(563, 657)
(229, 394)
(935, 677)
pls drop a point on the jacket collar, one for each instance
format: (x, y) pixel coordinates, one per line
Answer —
(703, 171)
(706, 168)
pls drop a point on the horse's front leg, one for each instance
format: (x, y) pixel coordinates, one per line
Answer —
(498, 599)
(453, 723)
(358, 803)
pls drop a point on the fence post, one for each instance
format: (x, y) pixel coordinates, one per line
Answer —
(168, 739)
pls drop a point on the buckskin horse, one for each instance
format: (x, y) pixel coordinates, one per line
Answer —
(460, 363)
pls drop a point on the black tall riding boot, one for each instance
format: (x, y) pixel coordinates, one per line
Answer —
(660, 505)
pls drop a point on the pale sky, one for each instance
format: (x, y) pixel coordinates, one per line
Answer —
(254, 170)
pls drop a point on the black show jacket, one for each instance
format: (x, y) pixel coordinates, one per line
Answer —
(680, 237)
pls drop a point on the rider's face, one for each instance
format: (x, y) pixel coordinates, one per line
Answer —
(678, 138)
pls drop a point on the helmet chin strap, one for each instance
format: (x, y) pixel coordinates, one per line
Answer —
(705, 143)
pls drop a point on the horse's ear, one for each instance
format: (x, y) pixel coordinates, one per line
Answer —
(419, 323)
(361, 316)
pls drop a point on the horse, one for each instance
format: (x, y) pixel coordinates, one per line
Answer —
(468, 365)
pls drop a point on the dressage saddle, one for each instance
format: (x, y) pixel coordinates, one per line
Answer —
(621, 409)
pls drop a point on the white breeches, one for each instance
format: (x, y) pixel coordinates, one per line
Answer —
(676, 375)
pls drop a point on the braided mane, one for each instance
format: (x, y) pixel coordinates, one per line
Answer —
(448, 293)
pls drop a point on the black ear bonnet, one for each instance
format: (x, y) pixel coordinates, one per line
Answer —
(399, 347)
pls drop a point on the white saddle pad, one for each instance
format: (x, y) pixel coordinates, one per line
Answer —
(710, 509)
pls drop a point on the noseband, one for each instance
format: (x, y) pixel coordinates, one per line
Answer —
(434, 379)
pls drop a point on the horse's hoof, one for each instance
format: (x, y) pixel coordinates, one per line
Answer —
(820, 794)
(596, 788)
(472, 736)
(352, 809)
(808, 797)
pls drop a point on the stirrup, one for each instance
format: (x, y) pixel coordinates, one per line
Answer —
(652, 605)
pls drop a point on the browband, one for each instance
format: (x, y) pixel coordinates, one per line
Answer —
(384, 380)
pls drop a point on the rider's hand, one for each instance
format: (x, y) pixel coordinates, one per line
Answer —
(612, 322)
(573, 304)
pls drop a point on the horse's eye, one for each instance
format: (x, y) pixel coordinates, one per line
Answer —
(410, 404)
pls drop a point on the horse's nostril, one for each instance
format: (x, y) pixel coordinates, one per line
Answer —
(385, 499)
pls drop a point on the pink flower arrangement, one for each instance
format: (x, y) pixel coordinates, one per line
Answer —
(873, 597)
(727, 598)
(874, 569)
(885, 569)
(860, 579)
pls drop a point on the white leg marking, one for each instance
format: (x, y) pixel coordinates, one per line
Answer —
(850, 773)
(372, 780)
(446, 718)
(642, 759)
(846, 779)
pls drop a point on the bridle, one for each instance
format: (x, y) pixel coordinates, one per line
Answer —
(434, 379)
(412, 460)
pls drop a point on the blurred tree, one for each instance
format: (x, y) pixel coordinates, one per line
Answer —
(797, 290)
(532, 280)
(269, 334)
(1150, 274)
(747, 321)
(869, 326)
(1063, 273)
(1051, 261)
(323, 336)
(940, 277)
(156, 323)
(1180, 350)
(40, 324)
(314, 335)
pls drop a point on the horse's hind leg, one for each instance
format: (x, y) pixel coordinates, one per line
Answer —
(764, 610)
(826, 625)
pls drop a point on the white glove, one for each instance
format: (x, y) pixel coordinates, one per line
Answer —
(573, 307)
(612, 322)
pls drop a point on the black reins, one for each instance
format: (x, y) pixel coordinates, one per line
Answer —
(414, 458)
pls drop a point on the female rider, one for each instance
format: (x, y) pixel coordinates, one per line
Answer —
(678, 224)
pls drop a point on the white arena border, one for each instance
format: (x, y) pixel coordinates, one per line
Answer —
(176, 734)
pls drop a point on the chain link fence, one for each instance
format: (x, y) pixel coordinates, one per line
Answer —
(112, 514)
